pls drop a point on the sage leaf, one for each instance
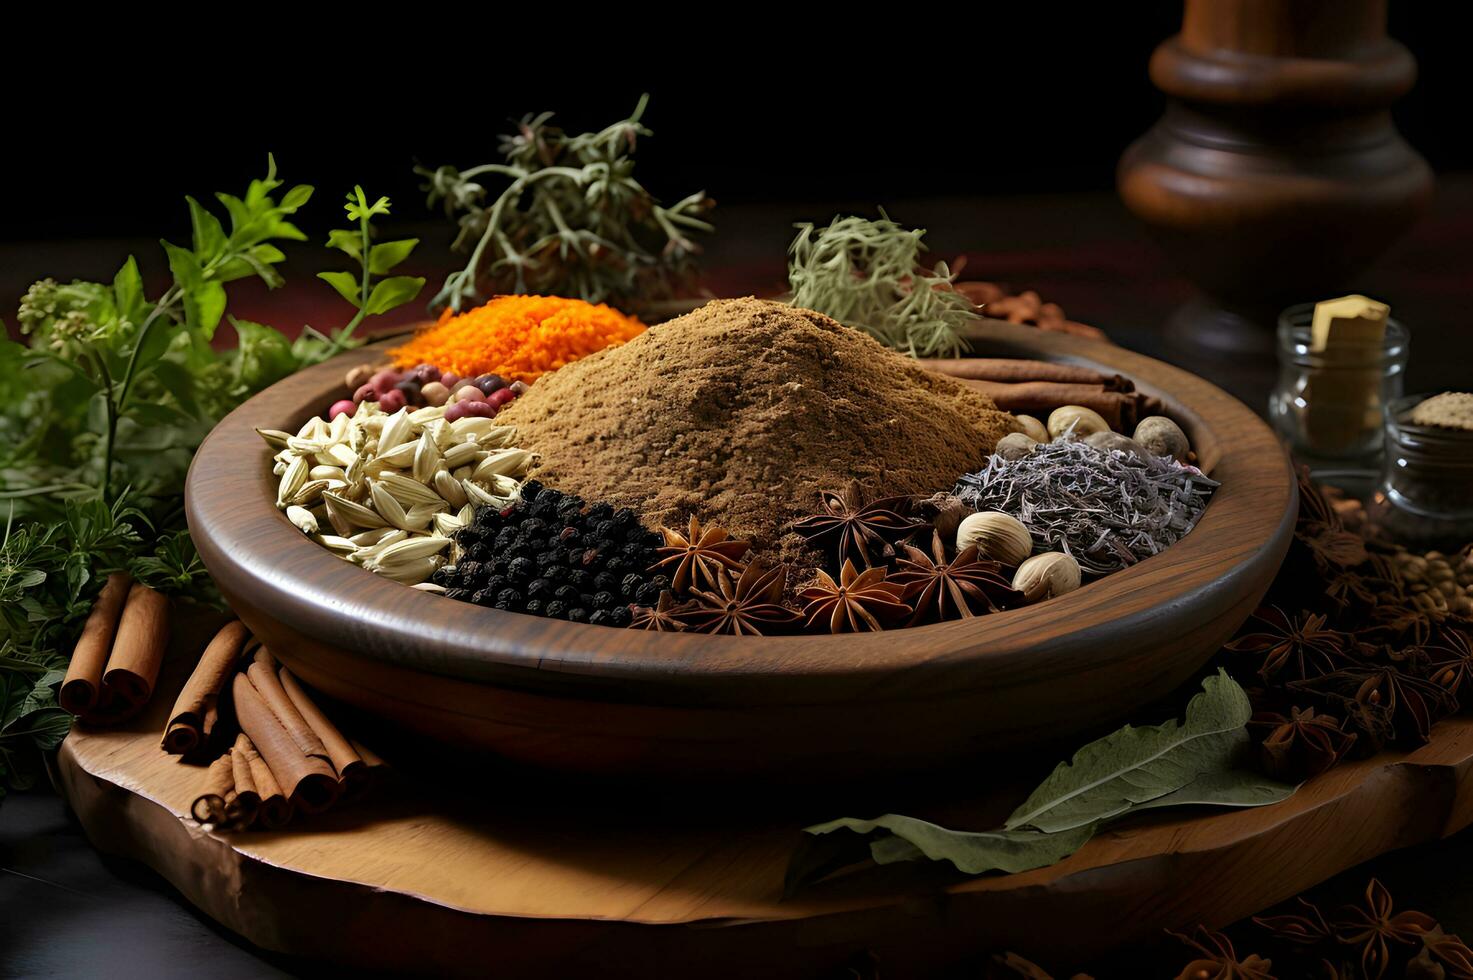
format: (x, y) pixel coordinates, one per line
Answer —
(972, 852)
(1233, 787)
(1135, 765)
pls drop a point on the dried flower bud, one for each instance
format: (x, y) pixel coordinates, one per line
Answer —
(1076, 421)
(1047, 576)
(998, 536)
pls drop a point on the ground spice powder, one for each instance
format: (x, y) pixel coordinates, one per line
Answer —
(517, 337)
(742, 412)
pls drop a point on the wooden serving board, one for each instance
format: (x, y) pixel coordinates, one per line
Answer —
(513, 881)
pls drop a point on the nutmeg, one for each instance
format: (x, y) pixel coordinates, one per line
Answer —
(1033, 428)
(1076, 421)
(1163, 437)
(1015, 445)
(1046, 576)
(998, 536)
(1114, 440)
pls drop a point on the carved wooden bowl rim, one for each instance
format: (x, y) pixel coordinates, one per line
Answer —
(257, 556)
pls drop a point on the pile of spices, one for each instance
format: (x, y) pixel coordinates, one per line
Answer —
(549, 555)
(1449, 410)
(519, 338)
(743, 413)
(387, 491)
(425, 385)
(1108, 509)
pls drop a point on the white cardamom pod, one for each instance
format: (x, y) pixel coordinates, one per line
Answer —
(503, 462)
(426, 458)
(292, 480)
(356, 515)
(275, 438)
(302, 518)
(998, 536)
(400, 457)
(409, 492)
(1046, 576)
(397, 431)
(449, 488)
(388, 508)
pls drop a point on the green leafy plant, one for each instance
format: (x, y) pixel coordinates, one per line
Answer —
(867, 274)
(571, 220)
(101, 411)
(374, 260)
(1194, 762)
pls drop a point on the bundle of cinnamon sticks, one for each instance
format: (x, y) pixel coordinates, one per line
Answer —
(116, 661)
(1038, 387)
(287, 757)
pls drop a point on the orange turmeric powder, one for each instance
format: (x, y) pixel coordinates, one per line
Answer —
(518, 337)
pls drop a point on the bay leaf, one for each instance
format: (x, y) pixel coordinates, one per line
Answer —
(1136, 765)
(972, 852)
(1233, 787)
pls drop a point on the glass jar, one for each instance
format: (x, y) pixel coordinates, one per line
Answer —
(1427, 477)
(1328, 405)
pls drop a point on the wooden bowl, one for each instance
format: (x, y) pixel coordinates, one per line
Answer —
(599, 700)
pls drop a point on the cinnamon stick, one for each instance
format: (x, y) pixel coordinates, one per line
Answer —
(307, 780)
(1019, 370)
(263, 674)
(243, 802)
(194, 715)
(352, 770)
(83, 684)
(137, 653)
(209, 806)
(275, 809)
(1121, 409)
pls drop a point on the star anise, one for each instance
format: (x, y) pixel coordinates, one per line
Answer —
(1301, 745)
(1443, 957)
(1307, 929)
(956, 589)
(1219, 961)
(857, 602)
(1410, 704)
(747, 606)
(1296, 647)
(1449, 660)
(1371, 925)
(664, 617)
(698, 554)
(850, 526)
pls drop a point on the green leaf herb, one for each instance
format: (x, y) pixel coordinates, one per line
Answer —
(1127, 772)
(1134, 765)
(867, 274)
(571, 220)
(368, 297)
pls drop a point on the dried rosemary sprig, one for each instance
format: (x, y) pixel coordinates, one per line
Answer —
(867, 274)
(1108, 509)
(571, 221)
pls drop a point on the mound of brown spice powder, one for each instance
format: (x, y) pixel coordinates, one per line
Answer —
(742, 412)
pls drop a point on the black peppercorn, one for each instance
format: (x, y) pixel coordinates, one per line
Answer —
(511, 597)
(620, 616)
(555, 609)
(578, 615)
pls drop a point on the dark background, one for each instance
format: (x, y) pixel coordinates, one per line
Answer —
(1038, 100)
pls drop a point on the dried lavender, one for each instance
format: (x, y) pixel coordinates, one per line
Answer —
(1107, 508)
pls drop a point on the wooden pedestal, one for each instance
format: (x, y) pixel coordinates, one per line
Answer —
(509, 883)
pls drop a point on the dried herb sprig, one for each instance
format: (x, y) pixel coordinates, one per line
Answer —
(1107, 509)
(571, 221)
(867, 274)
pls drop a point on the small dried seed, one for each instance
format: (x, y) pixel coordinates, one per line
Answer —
(302, 518)
(275, 438)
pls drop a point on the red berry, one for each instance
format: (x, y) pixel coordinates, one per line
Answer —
(500, 397)
(456, 411)
(474, 409)
(392, 400)
(385, 380)
(366, 393)
(343, 406)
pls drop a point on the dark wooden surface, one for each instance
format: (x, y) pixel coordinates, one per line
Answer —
(812, 708)
(67, 911)
(437, 880)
